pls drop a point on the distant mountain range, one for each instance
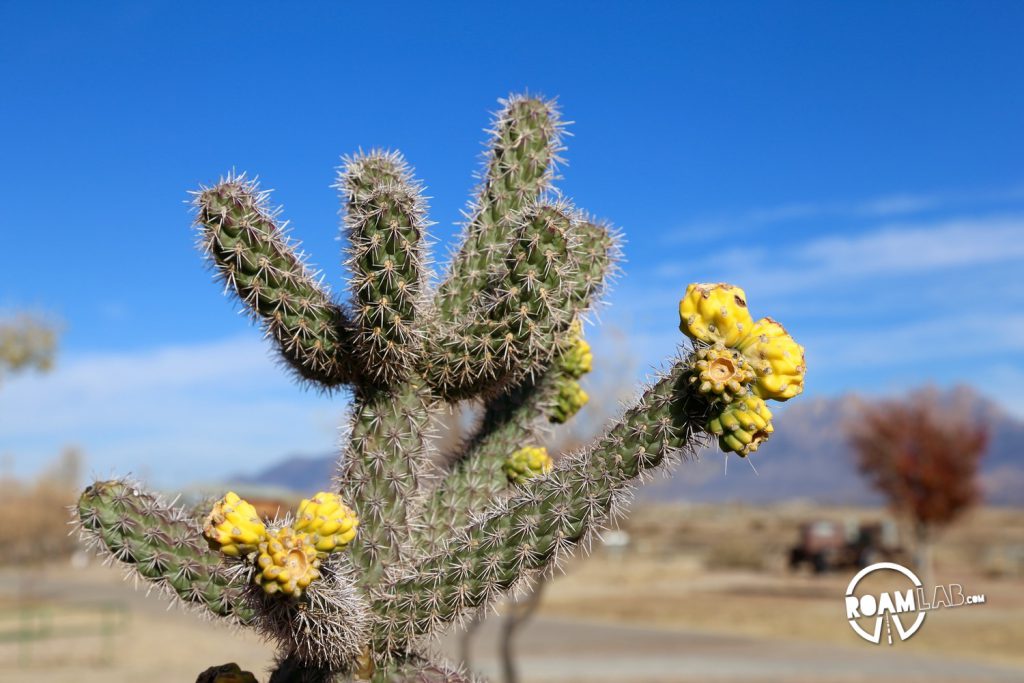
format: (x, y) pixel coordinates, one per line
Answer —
(806, 458)
(304, 474)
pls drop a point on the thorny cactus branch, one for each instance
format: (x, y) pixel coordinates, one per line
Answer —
(160, 544)
(521, 158)
(413, 668)
(249, 250)
(478, 476)
(384, 223)
(515, 325)
(513, 417)
(543, 520)
(381, 472)
(349, 587)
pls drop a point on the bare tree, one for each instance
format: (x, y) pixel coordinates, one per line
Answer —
(519, 613)
(923, 455)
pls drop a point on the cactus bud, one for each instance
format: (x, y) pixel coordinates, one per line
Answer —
(526, 463)
(778, 360)
(570, 400)
(715, 313)
(287, 563)
(742, 426)
(718, 315)
(577, 360)
(722, 372)
(233, 527)
(330, 523)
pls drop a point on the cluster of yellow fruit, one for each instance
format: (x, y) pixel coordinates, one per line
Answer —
(576, 361)
(287, 559)
(570, 400)
(744, 364)
(528, 462)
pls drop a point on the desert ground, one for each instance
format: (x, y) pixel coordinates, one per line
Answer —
(699, 593)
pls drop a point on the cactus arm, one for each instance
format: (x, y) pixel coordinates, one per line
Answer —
(250, 253)
(385, 226)
(510, 419)
(513, 330)
(418, 668)
(541, 520)
(477, 478)
(410, 668)
(523, 151)
(380, 471)
(161, 545)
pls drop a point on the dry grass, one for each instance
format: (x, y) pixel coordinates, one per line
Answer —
(35, 515)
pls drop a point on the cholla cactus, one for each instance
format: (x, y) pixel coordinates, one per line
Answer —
(354, 586)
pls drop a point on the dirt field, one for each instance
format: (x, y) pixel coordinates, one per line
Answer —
(700, 593)
(722, 569)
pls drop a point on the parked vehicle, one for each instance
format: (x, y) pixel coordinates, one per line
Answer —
(827, 545)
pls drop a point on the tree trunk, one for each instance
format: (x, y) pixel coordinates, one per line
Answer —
(923, 554)
(519, 613)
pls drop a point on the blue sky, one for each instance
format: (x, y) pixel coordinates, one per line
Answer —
(856, 167)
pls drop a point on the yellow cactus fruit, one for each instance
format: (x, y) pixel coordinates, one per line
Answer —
(528, 462)
(330, 524)
(721, 371)
(570, 400)
(778, 360)
(577, 360)
(576, 328)
(287, 562)
(715, 313)
(233, 526)
(743, 425)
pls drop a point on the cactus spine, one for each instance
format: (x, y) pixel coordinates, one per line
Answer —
(352, 586)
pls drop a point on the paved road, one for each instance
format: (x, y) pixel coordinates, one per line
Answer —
(554, 651)
(562, 651)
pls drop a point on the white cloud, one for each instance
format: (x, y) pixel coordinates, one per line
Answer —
(892, 250)
(916, 247)
(178, 413)
(883, 206)
(970, 341)
(876, 207)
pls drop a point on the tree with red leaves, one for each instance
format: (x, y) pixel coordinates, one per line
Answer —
(922, 454)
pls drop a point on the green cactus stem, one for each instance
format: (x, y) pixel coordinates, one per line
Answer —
(240, 236)
(512, 332)
(380, 473)
(384, 223)
(543, 520)
(523, 152)
(161, 545)
(513, 417)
